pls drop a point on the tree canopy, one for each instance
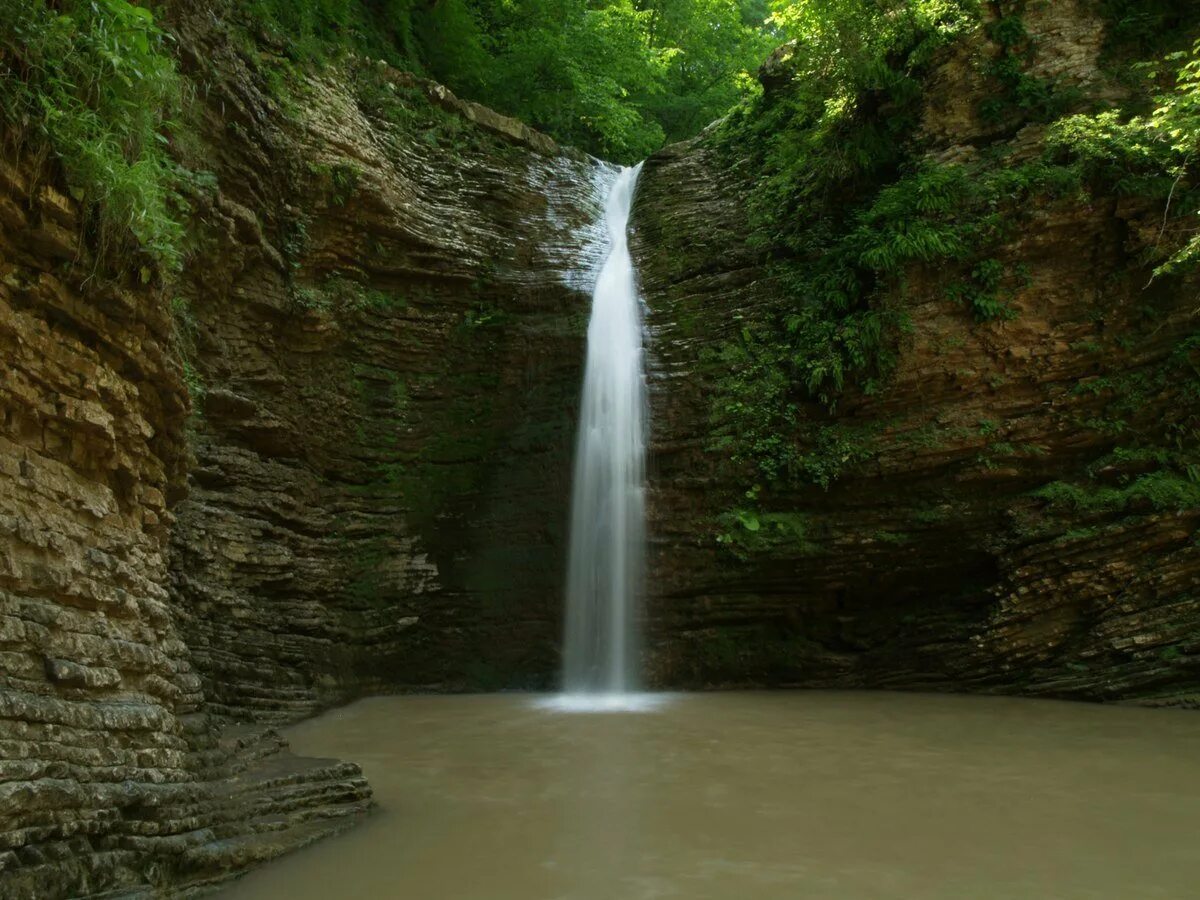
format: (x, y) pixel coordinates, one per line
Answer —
(616, 77)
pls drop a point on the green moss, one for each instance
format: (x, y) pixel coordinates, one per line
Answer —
(341, 180)
(339, 293)
(1163, 491)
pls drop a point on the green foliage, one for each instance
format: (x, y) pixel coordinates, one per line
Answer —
(835, 449)
(755, 413)
(757, 419)
(615, 77)
(339, 293)
(839, 220)
(295, 240)
(1156, 467)
(1170, 654)
(195, 385)
(986, 292)
(569, 68)
(1162, 491)
(484, 315)
(1155, 155)
(1021, 97)
(320, 30)
(93, 80)
(341, 180)
(822, 204)
(409, 107)
(1141, 27)
(846, 208)
(715, 44)
(841, 327)
(749, 532)
(186, 328)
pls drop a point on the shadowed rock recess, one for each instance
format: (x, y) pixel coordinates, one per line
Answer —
(382, 324)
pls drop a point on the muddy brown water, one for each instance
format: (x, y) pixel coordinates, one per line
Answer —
(747, 796)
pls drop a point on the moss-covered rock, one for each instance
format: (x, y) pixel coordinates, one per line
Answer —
(933, 424)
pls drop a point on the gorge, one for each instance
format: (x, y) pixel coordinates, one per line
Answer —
(922, 423)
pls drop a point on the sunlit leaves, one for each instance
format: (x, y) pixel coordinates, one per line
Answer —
(1155, 155)
(97, 82)
(617, 78)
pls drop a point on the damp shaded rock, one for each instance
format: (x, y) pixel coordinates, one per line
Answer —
(988, 517)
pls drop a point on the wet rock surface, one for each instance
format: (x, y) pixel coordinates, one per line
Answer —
(382, 460)
(113, 774)
(382, 327)
(930, 565)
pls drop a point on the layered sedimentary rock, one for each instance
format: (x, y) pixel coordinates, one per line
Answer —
(388, 326)
(112, 774)
(931, 563)
(380, 327)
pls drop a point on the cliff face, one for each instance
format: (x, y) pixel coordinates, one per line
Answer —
(388, 325)
(381, 325)
(931, 563)
(113, 773)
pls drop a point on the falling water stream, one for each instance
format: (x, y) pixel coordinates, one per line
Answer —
(608, 503)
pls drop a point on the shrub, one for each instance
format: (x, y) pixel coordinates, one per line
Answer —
(93, 81)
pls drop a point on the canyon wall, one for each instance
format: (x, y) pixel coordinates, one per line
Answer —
(380, 330)
(933, 562)
(388, 326)
(112, 773)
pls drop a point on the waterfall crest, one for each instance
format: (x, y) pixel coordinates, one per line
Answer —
(605, 573)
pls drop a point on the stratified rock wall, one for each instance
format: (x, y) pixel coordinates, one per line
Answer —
(930, 565)
(380, 326)
(112, 775)
(381, 329)
(388, 321)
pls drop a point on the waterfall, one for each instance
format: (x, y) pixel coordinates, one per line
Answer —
(608, 504)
